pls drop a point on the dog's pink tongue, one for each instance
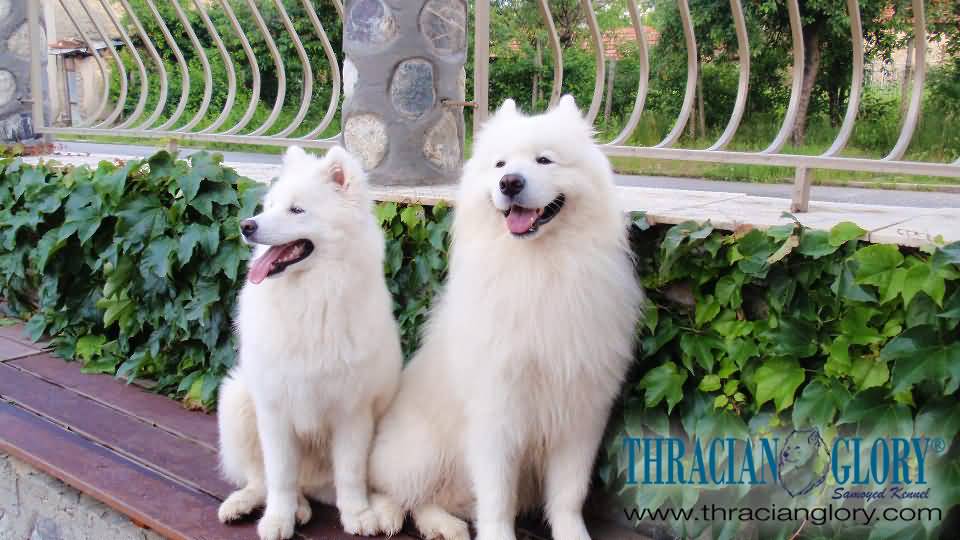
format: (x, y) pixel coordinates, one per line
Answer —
(261, 265)
(519, 220)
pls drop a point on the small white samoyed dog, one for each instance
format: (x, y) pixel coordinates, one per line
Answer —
(320, 354)
(505, 404)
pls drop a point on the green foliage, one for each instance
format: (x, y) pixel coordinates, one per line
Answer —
(133, 268)
(788, 326)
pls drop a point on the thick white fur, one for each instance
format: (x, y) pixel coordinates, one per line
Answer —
(319, 355)
(504, 406)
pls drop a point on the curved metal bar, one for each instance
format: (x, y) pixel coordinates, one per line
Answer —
(281, 71)
(227, 62)
(334, 69)
(162, 97)
(856, 82)
(307, 72)
(184, 70)
(204, 61)
(600, 76)
(691, 89)
(254, 66)
(644, 83)
(339, 5)
(144, 86)
(919, 73)
(743, 82)
(122, 99)
(798, 60)
(557, 54)
(103, 69)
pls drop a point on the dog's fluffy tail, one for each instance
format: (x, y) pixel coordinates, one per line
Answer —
(240, 455)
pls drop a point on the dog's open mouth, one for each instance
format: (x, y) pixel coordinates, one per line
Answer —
(278, 258)
(525, 221)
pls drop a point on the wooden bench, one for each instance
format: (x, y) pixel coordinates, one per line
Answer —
(140, 453)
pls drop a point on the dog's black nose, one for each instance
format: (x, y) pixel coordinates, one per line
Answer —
(511, 184)
(248, 227)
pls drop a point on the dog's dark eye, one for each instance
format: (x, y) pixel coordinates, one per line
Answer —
(501, 163)
(543, 160)
(296, 210)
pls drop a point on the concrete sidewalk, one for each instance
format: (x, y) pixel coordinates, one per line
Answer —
(886, 197)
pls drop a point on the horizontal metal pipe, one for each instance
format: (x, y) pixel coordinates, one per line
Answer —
(196, 136)
(787, 160)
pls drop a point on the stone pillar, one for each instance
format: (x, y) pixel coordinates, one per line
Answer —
(404, 58)
(15, 116)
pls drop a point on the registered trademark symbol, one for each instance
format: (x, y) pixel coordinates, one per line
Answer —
(938, 444)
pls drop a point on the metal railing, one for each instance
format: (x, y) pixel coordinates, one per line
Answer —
(892, 163)
(128, 24)
(158, 122)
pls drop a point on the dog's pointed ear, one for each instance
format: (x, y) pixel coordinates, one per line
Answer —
(507, 108)
(568, 105)
(344, 170)
(294, 155)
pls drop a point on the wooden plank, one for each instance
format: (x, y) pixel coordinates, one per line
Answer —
(151, 408)
(15, 333)
(11, 350)
(172, 510)
(181, 459)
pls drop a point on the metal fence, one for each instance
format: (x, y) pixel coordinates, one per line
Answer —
(126, 22)
(109, 120)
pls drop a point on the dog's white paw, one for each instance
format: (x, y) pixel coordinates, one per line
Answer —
(362, 523)
(452, 529)
(569, 527)
(304, 513)
(276, 526)
(389, 514)
(496, 531)
(239, 504)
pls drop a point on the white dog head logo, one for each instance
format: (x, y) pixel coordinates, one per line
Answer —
(536, 169)
(311, 209)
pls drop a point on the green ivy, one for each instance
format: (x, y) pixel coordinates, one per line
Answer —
(134, 268)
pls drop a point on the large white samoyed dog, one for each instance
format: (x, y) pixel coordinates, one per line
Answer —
(504, 406)
(320, 354)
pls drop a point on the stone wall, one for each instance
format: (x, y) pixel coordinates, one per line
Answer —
(34, 506)
(15, 122)
(403, 59)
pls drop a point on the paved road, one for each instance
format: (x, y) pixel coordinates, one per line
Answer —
(920, 199)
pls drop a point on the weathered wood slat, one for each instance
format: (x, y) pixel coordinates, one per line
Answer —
(172, 510)
(153, 409)
(181, 459)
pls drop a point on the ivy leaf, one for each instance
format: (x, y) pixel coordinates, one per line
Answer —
(639, 220)
(948, 254)
(815, 244)
(855, 325)
(845, 231)
(385, 212)
(818, 404)
(207, 236)
(846, 286)
(838, 363)
(784, 249)
(706, 310)
(111, 181)
(664, 382)
(88, 347)
(778, 380)
(868, 372)
(921, 277)
(875, 261)
(939, 419)
(157, 257)
(709, 383)
(699, 348)
(793, 337)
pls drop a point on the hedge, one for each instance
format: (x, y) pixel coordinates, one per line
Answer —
(133, 269)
